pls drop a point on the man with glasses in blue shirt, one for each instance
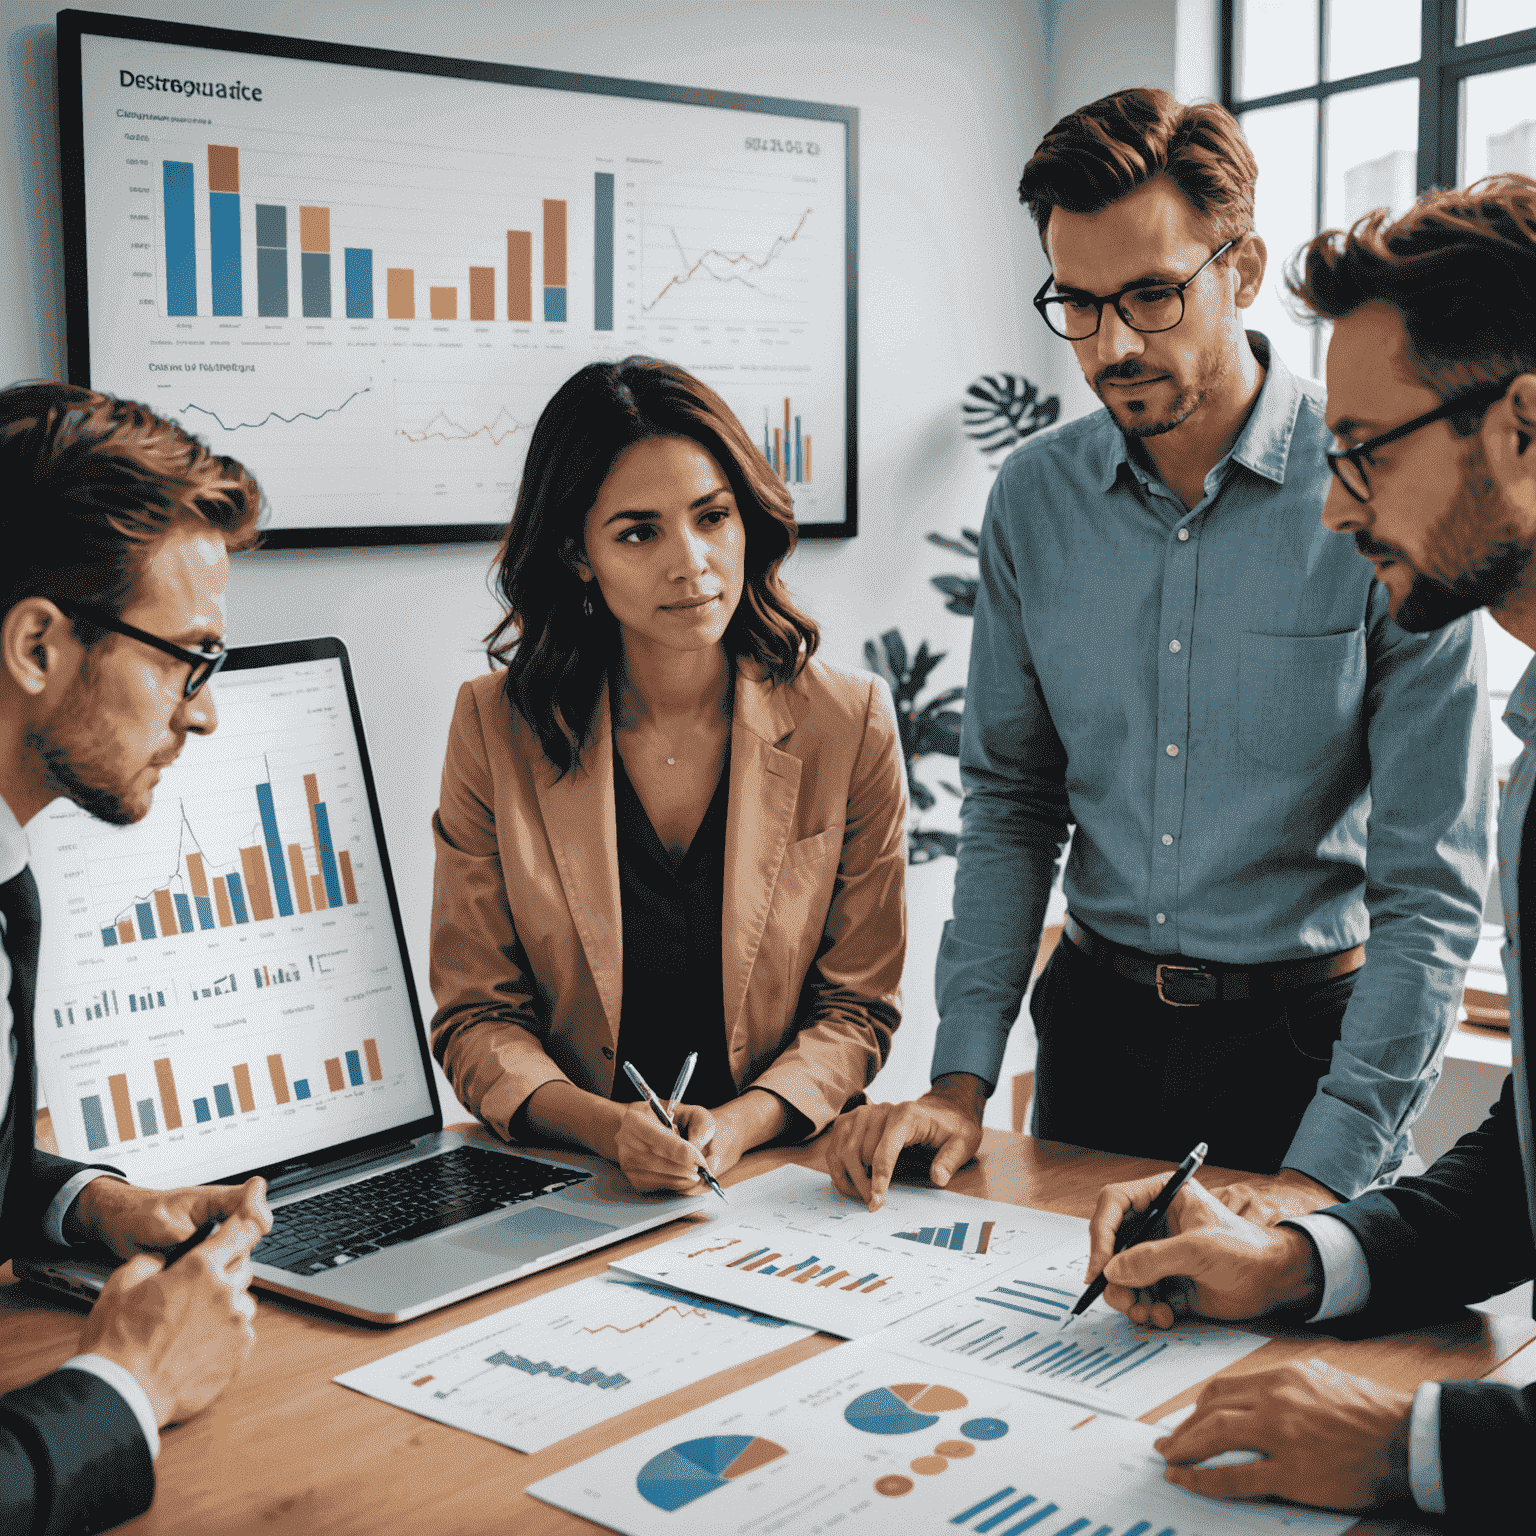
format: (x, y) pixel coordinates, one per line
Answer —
(1273, 890)
(115, 532)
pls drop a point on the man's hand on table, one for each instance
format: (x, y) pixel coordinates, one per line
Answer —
(1329, 1438)
(864, 1144)
(131, 1221)
(181, 1332)
(1213, 1262)
(1268, 1199)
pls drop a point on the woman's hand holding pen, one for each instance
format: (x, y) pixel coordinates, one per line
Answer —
(1212, 1262)
(653, 1156)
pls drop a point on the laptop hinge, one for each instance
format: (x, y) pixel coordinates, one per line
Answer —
(295, 1175)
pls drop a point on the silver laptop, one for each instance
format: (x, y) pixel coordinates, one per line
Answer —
(224, 989)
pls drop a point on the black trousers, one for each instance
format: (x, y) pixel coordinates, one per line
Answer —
(1122, 1071)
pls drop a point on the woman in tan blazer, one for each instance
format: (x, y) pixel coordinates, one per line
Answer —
(664, 828)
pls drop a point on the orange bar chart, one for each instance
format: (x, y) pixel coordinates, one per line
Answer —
(347, 883)
(122, 1108)
(166, 913)
(166, 1082)
(125, 933)
(243, 1088)
(312, 794)
(315, 230)
(300, 880)
(400, 293)
(317, 889)
(259, 891)
(482, 293)
(371, 1051)
(279, 1078)
(221, 901)
(223, 168)
(333, 1073)
(444, 303)
(519, 274)
(554, 242)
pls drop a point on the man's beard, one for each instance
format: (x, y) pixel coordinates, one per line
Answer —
(1135, 423)
(73, 769)
(1432, 604)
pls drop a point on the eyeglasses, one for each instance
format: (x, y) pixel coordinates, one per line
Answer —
(203, 663)
(1145, 307)
(1349, 463)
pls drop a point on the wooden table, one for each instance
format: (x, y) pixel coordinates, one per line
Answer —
(285, 1449)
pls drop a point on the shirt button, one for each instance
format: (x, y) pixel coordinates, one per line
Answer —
(1167, 839)
(608, 1052)
(1183, 535)
(1175, 647)
(1161, 918)
(1173, 751)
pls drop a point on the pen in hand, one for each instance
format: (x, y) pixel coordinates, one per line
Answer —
(1140, 1225)
(182, 1249)
(680, 1087)
(660, 1111)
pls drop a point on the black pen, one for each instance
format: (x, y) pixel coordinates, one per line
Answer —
(1139, 1225)
(181, 1250)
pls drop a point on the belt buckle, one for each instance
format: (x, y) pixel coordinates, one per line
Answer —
(1188, 970)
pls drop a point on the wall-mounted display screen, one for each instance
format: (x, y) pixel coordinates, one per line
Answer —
(363, 273)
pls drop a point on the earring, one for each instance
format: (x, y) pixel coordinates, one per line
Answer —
(586, 603)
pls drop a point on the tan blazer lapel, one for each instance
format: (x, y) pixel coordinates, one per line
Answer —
(765, 784)
(579, 818)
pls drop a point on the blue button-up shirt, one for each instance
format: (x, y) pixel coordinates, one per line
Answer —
(1260, 764)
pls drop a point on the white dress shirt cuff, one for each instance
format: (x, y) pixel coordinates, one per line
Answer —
(1346, 1278)
(53, 1221)
(1424, 1450)
(125, 1384)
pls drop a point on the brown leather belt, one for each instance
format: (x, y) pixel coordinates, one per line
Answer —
(1188, 983)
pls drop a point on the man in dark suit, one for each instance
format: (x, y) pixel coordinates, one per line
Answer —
(114, 540)
(1432, 397)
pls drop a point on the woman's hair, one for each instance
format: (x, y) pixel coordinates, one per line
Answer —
(557, 658)
(1098, 154)
(92, 484)
(1459, 267)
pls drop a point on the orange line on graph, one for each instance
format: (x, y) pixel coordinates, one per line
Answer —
(733, 258)
(614, 1327)
(1089, 1420)
(443, 427)
(718, 1248)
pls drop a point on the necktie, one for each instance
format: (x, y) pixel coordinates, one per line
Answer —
(23, 928)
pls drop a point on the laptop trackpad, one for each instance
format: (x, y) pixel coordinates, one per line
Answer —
(532, 1233)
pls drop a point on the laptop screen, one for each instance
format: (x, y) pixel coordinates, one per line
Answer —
(223, 987)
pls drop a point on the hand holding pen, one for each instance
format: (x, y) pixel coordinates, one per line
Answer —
(663, 1114)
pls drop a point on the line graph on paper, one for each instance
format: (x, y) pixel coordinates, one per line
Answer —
(559, 1364)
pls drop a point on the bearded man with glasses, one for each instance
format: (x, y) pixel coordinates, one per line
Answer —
(1273, 893)
(115, 534)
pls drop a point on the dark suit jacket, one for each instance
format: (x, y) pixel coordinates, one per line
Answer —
(1459, 1234)
(72, 1455)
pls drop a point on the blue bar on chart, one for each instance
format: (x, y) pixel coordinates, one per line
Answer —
(146, 916)
(301, 1088)
(222, 1098)
(327, 855)
(183, 911)
(95, 1123)
(237, 898)
(272, 260)
(200, 1108)
(358, 265)
(355, 1068)
(315, 262)
(147, 1122)
(180, 239)
(109, 937)
(224, 227)
(602, 251)
(274, 850)
(593, 1376)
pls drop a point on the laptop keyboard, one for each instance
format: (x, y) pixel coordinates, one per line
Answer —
(326, 1231)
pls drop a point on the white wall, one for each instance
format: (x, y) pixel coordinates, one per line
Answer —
(953, 97)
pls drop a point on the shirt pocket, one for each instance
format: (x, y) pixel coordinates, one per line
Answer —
(1299, 697)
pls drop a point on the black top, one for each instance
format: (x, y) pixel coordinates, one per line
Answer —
(673, 986)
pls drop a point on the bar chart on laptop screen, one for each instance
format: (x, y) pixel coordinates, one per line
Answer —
(219, 984)
(367, 284)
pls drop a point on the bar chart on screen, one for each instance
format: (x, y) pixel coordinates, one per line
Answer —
(551, 1367)
(1014, 1329)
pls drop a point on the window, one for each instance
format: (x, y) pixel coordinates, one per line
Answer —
(1351, 105)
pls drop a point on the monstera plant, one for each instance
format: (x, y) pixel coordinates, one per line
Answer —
(1000, 411)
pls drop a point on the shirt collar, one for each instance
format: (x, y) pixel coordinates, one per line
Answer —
(1263, 445)
(1520, 715)
(14, 852)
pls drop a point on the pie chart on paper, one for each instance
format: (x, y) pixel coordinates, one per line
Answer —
(682, 1473)
(901, 1410)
